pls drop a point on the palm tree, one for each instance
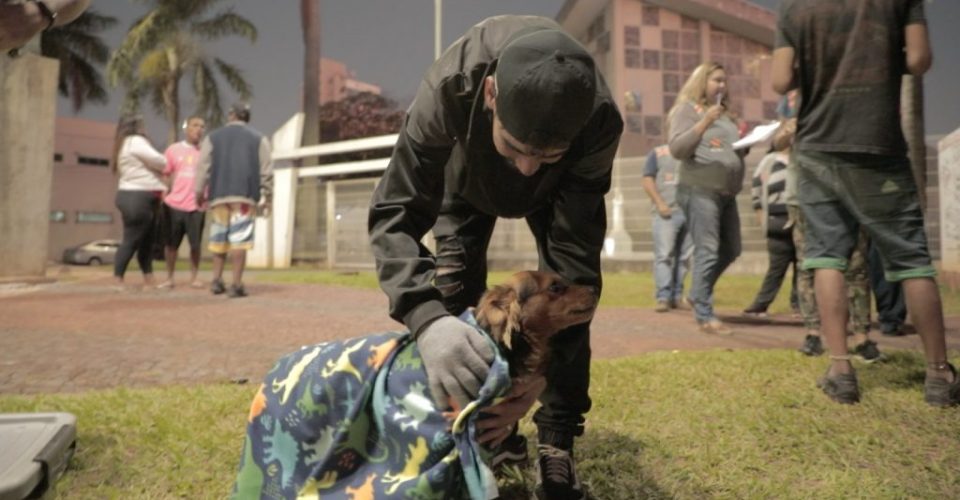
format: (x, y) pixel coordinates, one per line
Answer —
(164, 46)
(310, 24)
(81, 52)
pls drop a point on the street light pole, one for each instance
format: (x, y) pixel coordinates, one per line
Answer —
(437, 16)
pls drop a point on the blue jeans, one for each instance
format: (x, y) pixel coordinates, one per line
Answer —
(714, 222)
(672, 248)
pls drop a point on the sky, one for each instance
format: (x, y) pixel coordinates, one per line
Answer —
(390, 43)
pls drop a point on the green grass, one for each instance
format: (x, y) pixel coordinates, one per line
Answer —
(716, 424)
(627, 289)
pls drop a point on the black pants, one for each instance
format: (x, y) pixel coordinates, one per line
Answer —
(139, 212)
(891, 308)
(463, 236)
(782, 254)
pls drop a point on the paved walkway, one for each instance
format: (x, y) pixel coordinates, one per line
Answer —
(81, 334)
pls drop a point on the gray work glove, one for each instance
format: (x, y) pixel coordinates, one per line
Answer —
(457, 358)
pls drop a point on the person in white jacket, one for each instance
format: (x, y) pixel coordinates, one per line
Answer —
(138, 166)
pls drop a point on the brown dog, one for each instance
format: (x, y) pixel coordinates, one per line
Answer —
(526, 312)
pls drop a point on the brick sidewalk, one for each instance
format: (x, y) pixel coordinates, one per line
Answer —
(80, 335)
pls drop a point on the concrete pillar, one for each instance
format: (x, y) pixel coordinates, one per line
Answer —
(28, 106)
(284, 211)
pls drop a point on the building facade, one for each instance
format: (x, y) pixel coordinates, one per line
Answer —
(84, 186)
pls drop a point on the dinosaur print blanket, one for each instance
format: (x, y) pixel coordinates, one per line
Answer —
(354, 419)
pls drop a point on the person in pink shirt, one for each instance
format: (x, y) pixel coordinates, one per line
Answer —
(182, 214)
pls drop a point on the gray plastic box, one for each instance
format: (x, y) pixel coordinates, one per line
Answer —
(35, 449)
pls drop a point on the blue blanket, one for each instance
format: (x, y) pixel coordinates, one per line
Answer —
(355, 419)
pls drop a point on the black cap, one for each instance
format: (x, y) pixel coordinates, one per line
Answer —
(241, 110)
(546, 84)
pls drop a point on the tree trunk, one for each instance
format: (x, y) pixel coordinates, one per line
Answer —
(310, 22)
(911, 111)
(171, 96)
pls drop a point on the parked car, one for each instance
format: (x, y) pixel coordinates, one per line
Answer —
(92, 253)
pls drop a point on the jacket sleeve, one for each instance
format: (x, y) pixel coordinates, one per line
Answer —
(203, 168)
(683, 138)
(142, 150)
(570, 243)
(266, 170)
(405, 206)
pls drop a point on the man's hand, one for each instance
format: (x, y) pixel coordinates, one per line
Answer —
(457, 359)
(664, 210)
(19, 23)
(497, 422)
(201, 199)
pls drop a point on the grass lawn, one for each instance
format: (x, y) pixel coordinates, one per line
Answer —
(627, 289)
(717, 424)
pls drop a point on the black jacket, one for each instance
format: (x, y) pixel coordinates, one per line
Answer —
(446, 144)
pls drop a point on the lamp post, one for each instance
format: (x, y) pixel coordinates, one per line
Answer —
(437, 16)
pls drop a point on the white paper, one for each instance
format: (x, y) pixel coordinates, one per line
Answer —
(759, 134)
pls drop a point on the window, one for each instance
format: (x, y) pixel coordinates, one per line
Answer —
(734, 44)
(653, 125)
(690, 40)
(635, 123)
(651, 16)
(689, 62)
(94, 218)
(671, 61)
(770, 110)
(631, 36)
(90, 160)
(59, 216)
(651, 59)
(671, 39)
(718, 43)
(671, 83)
(57, 157)
(632, 57)
(668, 101)
(689, 23)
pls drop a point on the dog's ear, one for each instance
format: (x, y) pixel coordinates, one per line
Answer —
(499, 313)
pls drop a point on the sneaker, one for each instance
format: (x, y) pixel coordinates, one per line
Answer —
(512, 451)
(236, 291)
(715, 327)
(662, 306)
(217, 287)
(681, 304)
(939, 392)
(892, 329)
(867, 351)
(812, 346)
(556, 475)
(841, 388)
(755, 312)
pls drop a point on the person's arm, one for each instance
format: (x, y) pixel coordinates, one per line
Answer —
(405, 206)
(783, 75)
(20, 22)
(203, 171)
(141, 149)
(687, 128)
(649, 183)
(917, 41)
(575, 235)
(266, 172)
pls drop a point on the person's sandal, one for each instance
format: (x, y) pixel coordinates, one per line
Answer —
(843, 387)
(937, 391)
(715, 327)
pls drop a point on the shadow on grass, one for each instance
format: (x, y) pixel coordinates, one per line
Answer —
(899, 369)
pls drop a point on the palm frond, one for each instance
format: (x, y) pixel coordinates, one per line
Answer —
(234, 77)
(207, 94)
(145, 33)
(224, 24)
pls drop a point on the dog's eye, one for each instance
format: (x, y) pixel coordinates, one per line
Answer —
(558, 288)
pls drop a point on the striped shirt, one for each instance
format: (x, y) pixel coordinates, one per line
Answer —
(768, 189)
